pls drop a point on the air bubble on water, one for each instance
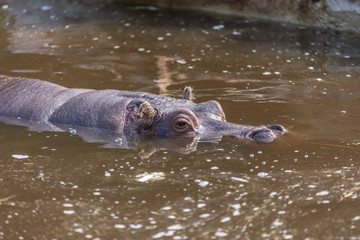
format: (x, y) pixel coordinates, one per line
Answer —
(276, 223)
(218, 27)
(119, 226)
(135, 226)
(288, 236)
(79, 230)
(68, 212)
(239, 179)
(203, 183)
(221, 234)
(46, 8)
(181, 61)
(273, 194)
(146, 177)
(166, 208)
(175, 227)
(236, 206)
(159, 235)
(201, 205)
(72, 131)
(322, 193)
(19, 156)
(118, 141)
(225, 219)
(262, 174)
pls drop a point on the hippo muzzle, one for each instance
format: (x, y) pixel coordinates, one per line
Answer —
(261, 134)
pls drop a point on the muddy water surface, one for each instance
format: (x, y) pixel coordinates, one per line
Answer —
(55, 185)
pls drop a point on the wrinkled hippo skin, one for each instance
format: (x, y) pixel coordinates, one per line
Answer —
(125, 113)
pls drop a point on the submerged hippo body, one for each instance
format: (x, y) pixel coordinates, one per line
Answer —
(122, 112)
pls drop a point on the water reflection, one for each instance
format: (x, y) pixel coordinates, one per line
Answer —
(55, 185)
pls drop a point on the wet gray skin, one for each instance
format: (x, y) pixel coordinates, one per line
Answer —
(122, 112)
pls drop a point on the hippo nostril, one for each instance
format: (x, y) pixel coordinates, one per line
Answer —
(262, 135)
(277, 127)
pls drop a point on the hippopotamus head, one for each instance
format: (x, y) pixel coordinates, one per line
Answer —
(182, 117)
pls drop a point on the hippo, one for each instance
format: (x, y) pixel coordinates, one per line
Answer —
(122, 112)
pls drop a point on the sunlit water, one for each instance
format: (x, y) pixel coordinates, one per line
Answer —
(58, 186)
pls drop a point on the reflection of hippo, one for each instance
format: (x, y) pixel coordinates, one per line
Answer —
(123, 112)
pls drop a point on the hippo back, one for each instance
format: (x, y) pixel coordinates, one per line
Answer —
(32, 99)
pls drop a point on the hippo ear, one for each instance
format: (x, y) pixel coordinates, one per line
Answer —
(188, 95)
(146, 115)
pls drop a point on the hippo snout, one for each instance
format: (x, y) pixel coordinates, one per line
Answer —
(267, 134)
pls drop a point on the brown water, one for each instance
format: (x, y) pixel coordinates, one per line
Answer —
(305, 186)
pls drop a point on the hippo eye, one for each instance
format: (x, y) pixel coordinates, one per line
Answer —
(184, 122)
(181, 124)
